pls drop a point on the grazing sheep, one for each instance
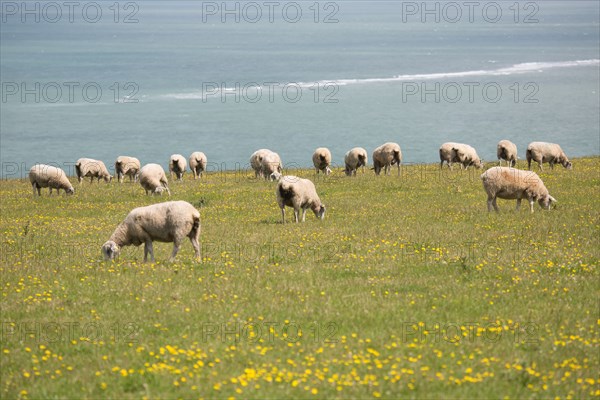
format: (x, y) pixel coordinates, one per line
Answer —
(42, 175)
(166, 222)
(271, 162)
(507, 150)
(300, 194)
(256, 161)
(92, 168)
(354, 159)
(551, 153)
(177, 165)
(322, 160)
(458, 152)
(153, 179)
(385, 156)
(198, 164)
(511, 183)
(126, 165)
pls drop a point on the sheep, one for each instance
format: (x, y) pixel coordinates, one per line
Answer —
(300, 194)
(385, 156)
(42, 175)
(322, 160)
(125, 165)
(354, 159)
(458, 152)
(166, 222)
(507, 150)
(511, 183)
(92, 168)
(198, 163)
(153, 179)
(256, 161)
(177, 165)
(271, 162)
(542, 152)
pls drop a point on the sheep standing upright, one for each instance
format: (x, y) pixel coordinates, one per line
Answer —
(271, 163)
(551, 153)
(322, 160)
(42, 175)
(256, 161)
(511, 183)
(167, 222)
(130, 166)
(153, 179)
(177, 166)
(198, 163)
(459, 152)
(300, 194)
(507, 150)
(92, 168)
(354, 159)
(385, 156)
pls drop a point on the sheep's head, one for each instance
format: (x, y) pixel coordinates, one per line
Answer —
(320, 212)
(327, 170)
(546, 201)
(110, 250)
(567, 164)
(479, 164)
(70, 190)
(275, 176)
(108, 178)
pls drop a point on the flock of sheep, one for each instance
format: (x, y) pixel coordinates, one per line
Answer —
(173, 221)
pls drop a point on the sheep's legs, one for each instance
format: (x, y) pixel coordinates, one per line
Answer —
(296, 214)
(304, 215)
(148, 250)
(176, 245)
(196, 246)
(518, 204)
(492, 203)
(531, 205)
(283, 215)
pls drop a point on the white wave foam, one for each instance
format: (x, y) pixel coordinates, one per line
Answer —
(515, 69)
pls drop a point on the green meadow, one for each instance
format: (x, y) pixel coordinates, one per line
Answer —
(408, 288)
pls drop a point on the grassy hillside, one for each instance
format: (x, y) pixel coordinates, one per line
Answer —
(408, 288)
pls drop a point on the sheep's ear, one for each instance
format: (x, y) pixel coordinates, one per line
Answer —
(552, 199)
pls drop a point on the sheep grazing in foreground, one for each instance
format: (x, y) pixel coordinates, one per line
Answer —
(125, 165)
(354, 159)
(167, 222)
(177, 166)
(153, 179)
(271, 163)
(300, 194)
(507, 150)
(385, 156)
(511, 183)
(256, 161)
(198, 163)
(42, 175)
(459, 152)
(551, 153)
(92, 168)
(322, 160)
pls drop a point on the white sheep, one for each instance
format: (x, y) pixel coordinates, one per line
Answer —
(271, 162)
(300, 194)
(322, 160)
(198, 163)
(542, 152)
(511, 183)
(385, 156)
(153, 179)
(177, 165)
(507, 150)
(459, 152)
(125, 165)
(42, 175)
(354, 159)
(92, 168)
(167, 222)
(256, 161)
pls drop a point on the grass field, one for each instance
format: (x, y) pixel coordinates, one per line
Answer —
(409, 288)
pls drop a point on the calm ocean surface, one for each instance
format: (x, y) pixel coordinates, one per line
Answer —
(183, 80)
